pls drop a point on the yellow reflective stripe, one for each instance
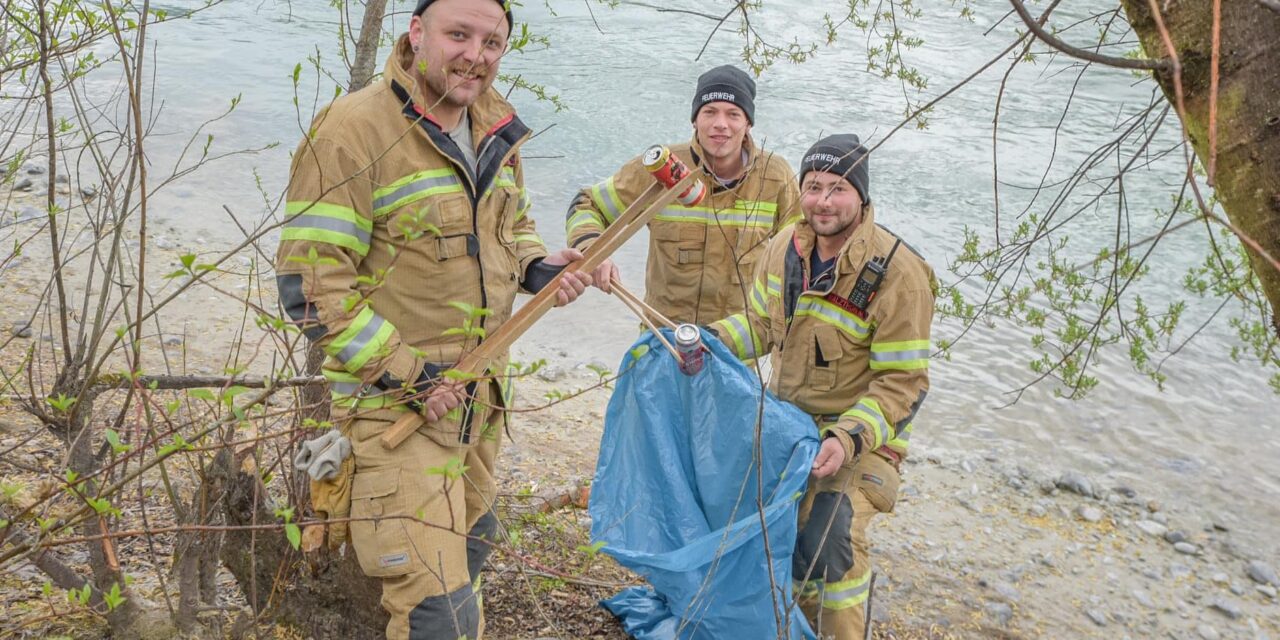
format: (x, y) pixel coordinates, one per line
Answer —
(529, 237)
(746, 344)
(775, 285)
(744, 213)
(582, 218)
(846, 594)
(904, 355)
(758, 302)
(327, 223)
(899, 442)
(523, 205)
(414, 187)
(792, 220)
(606, 199)
(809, 589)
(868, 412)
(365, 336)
(816, 307)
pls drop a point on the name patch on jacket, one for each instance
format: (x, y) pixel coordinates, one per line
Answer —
(846, 304)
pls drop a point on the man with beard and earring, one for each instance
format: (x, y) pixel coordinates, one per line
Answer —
(843, 306)
(701, 256)
(407, 214)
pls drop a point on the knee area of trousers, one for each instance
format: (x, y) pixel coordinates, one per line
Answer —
(823, 543)
(480, 542)
(446, 617)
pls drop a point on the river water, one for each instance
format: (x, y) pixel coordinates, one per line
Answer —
(627, 74)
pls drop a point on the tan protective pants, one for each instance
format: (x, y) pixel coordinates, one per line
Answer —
(831, 567)
(419, 512)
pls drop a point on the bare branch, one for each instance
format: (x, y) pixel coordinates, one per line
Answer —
(1083, 54)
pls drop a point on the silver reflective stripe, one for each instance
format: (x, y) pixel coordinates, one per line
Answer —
(899, 356)
(412, 188)
(881, 425)
(308, 221)
(605, 200)
(744, 329)
(362, 339)
(345, 388)
(845, 594)
(838, 317)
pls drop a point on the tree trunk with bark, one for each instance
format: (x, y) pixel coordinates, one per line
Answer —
(1247, 177)
(323, 593)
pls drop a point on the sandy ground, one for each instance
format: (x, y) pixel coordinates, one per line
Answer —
(977, 546)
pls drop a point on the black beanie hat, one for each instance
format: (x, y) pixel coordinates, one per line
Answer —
(726, 84)
(840, 154)
(506, 6)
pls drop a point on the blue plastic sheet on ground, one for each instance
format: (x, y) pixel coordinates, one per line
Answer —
(677, 491)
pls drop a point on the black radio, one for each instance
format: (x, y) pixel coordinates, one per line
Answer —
(869, 280)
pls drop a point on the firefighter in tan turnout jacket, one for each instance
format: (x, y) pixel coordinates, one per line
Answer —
(843, 308)
(699, 257)
(407, 211)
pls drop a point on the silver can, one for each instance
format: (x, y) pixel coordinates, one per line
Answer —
(689, 344)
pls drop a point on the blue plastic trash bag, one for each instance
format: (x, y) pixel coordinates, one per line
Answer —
(675, 498)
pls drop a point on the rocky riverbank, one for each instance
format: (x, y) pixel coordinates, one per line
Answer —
(979, 545)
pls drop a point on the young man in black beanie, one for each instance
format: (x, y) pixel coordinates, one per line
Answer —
(406, 198)
(699, 257)
(843, 308)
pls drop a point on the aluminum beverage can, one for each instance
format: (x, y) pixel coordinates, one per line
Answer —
(689, 344)
(668, 170)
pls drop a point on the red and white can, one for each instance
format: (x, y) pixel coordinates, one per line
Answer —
(669, 170)
(689, 344)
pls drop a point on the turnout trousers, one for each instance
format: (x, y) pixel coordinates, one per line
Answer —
(831, 567)
(421, 514)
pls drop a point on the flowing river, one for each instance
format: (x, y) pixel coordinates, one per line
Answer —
(626, 77)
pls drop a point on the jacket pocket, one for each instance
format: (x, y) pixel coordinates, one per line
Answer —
(879, 480)
(824, 370)
(380, 540)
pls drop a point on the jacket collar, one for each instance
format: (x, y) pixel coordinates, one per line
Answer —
(854, 252)
(748, 145)
(489, 112)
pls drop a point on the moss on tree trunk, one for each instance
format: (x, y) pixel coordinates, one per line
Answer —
(1248, 123)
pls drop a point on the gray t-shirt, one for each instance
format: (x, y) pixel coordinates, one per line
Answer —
(461, 136)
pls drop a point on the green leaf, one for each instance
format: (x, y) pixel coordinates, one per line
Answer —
(202, 394)
(113, 597)
(294, 534)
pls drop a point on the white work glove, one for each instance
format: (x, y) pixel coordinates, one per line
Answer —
(322, 457)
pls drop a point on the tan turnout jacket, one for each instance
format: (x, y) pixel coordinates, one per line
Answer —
(859, 374)
(391, 238)
(698, 256)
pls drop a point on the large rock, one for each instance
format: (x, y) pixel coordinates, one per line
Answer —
(1262, 573)
(1075, 482)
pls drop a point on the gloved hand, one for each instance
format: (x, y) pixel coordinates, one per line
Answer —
(322, 457)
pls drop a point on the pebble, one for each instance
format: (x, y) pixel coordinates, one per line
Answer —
(62, 179)
(1262, 573)
(1227, 608)
(173, 341)
(24, 184)
(1089, 514)
(1207, 632)
(1175, 536)
(1187, 548)
(1179, 571)
(21, 330)
(1127, 492)
(1144, 598)
(35, 169)
(1220, 578)
(910, 491)
(1150, 527)
(551, 373)
(1037, 511)
(966, 466)
(1007, 591)
(1238, 589)
(1267, 590)
(1153, 505)
(1000, 612)
(1075, 482)
(88, 193)
(1099, 618)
